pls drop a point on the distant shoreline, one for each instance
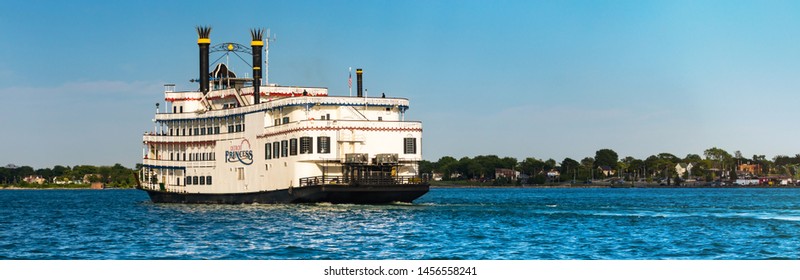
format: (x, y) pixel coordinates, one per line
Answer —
(42, 188)
(610, 187)
(87, 187)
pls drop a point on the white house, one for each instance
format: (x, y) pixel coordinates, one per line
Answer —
(682, 168)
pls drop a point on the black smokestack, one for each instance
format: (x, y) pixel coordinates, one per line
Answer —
(257, 44)
(358, 82)
(203, 41)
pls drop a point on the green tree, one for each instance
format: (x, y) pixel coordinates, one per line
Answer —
(719, 157)
(59, 170)
(531, 166)
(80, 170)
(606, 157)
(447, 166)
(425, 167)
(509, 163)
(5, 176)
(692, 158)
(45, 173)
(638, 167)
(569, 167)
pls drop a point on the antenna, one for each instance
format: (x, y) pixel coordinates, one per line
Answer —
(269, 38)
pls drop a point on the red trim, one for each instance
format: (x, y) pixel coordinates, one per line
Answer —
(340, 128)
(192, 143)
(265, 94)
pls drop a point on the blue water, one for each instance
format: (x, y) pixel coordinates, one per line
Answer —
(530, 224)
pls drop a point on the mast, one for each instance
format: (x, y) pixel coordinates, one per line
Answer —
(267, 39)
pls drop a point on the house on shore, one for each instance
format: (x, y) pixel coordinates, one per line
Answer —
(683, 168)
(34, 179)
(507, 173)
(606, 170)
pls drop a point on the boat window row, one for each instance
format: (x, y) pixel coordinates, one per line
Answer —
(205, 127)
(191, 156)
(291, 147)
(197, 180)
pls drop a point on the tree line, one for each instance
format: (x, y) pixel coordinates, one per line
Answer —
(112, 176)
(714, 164)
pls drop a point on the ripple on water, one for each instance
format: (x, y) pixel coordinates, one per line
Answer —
(444, 224)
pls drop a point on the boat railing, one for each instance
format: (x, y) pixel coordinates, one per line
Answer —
(342, 180)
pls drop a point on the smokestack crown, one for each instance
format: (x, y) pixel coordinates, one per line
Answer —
(203, 33)
(258, 37)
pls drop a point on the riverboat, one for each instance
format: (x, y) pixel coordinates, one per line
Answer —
(242, 140)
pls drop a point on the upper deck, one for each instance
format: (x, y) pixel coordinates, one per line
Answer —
(275, 98)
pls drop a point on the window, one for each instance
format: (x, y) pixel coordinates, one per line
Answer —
(277, 122)
(170, 156)
(216, 130)
(170, 132)
(293, 147)
(178, 181)
(328, 116)
(203, 131)
(202, 180)
(276, 149)
(184, 132)
(208, 180)
(240, 173)
(268, 151)
(188, 180)
(284, 148)
(174, 109)
(285, 120)
(230, 128)
(196, 130)
(195, 180)
(181, 109)
(410, 145)
(323, 145)
(238, 128)
(380, 118)
(306, 145)
(184, 156)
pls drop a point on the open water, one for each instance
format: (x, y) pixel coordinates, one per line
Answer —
(474, 224)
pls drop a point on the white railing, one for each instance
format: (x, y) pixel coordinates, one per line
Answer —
(289, 101)
(343, 124)
(179, 163)
(192, 138)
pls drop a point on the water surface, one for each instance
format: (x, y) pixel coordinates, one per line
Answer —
(474, 224)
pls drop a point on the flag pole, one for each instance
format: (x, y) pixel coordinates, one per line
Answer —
(350, 80)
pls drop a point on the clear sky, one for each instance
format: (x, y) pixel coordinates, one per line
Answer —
(545, 79)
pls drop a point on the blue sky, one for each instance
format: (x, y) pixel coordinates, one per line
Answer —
(544, 79)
